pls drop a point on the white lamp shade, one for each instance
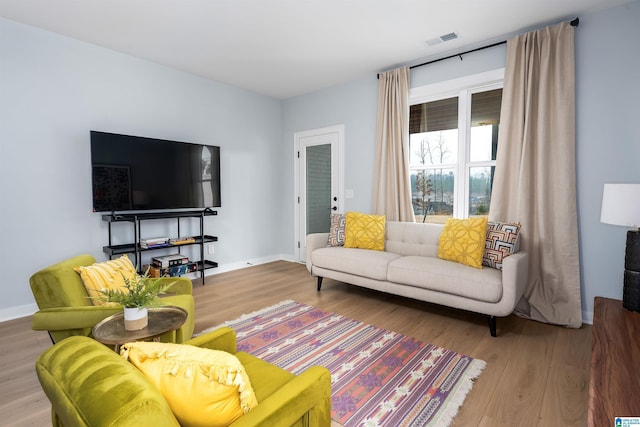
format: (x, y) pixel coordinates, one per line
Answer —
(621, 205)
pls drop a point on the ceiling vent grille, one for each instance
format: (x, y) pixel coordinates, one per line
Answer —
(442, 38)
(447, 37)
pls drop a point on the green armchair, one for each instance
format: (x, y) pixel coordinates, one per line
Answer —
(90, 385)
(65, 308)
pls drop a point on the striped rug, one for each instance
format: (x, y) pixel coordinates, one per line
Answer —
(379, 377)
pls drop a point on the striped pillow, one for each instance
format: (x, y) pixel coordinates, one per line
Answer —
(108, 274)
(502, 241)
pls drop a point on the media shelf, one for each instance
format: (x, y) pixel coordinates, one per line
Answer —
(138, 218)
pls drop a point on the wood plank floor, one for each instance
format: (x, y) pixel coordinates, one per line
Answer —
(536, 374)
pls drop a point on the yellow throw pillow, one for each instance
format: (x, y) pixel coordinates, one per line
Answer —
(103, 275)
(364, 231)
(462, 240)
(203, 387)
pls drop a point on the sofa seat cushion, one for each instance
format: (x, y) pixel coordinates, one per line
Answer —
(360, 262)
(447, 276)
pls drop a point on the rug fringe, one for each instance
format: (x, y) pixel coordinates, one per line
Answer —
(245, 316)
(466, 384)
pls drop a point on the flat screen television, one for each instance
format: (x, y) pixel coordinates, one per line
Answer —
(131, 173)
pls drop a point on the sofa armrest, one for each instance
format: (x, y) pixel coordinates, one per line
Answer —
(221, 339)
(313, 242)
(515, 275)
(66, 318)
(307, 396)
(180, 285)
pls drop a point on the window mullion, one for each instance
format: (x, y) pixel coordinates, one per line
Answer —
(461, 207)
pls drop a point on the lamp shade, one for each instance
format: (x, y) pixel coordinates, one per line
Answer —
(621, 205)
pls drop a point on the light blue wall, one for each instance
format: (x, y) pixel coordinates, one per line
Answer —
(53, 90)
(608, 146)
(608, 142)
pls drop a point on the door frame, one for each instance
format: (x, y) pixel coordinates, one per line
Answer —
(338, 156)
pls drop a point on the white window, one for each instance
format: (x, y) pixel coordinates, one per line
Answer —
(453, 140)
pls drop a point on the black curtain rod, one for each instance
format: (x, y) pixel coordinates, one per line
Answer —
(573, 23)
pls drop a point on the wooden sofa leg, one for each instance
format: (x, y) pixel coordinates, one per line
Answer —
(492, 325)
(319, 283)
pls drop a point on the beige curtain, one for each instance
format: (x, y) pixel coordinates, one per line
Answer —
(391, 181)
(535, 181)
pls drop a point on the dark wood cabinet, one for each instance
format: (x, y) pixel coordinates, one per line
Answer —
(614, 385)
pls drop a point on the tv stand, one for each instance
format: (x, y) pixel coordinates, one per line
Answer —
(136, 219)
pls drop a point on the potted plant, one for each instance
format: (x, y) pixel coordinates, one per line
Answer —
(139, 293)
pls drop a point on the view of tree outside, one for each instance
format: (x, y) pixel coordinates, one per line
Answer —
(452, 171)
(432, 187)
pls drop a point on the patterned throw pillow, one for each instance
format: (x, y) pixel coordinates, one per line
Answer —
(463, 240)
(364, 231)
(336, 231)
(502, 241)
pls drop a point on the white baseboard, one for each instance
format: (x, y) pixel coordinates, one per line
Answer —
(249, 263)
(11, 313)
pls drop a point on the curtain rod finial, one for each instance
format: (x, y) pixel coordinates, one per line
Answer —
(575, 22)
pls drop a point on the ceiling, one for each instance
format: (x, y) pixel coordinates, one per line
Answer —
(285, 48)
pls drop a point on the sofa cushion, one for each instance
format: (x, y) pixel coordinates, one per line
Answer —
(364, 231)
(410, 238)
(502, 240)
(204, 387)
(463, 240)
(361, 262)
(447, 276)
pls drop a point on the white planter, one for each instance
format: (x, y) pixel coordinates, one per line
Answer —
(135, 318)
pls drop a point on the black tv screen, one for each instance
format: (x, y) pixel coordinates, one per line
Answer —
(131, 173)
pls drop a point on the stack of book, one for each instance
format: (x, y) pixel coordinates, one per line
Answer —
(154, 242)
(174, 270)
(169, 260)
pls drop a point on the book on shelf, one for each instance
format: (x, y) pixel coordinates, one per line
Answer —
(154, 242)
(169, 260)
(182, 240)
(153, 245)
(173, 271)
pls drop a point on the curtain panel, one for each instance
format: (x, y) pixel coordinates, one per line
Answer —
(391, 194)
(535, 180)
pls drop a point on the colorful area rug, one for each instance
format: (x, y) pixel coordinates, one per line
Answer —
(379, 377)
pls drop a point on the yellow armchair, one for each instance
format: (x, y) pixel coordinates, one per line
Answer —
(65, 308)
(90, 385)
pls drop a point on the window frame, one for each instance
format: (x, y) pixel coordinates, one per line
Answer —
(462, 88)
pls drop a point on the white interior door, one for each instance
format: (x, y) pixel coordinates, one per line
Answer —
(319, 187)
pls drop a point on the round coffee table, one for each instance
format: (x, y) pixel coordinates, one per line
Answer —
(161, 320)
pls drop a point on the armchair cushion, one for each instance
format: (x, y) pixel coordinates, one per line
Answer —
(204, 387)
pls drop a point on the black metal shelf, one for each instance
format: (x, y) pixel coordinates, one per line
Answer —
(135, 248)
(156, 215)
(129, 248)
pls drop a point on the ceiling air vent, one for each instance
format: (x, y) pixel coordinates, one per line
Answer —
(443, 38)
(447, 37)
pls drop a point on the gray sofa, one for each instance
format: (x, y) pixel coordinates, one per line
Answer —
(409, 266)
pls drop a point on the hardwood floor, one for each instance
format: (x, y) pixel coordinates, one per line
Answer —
(536, 374)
